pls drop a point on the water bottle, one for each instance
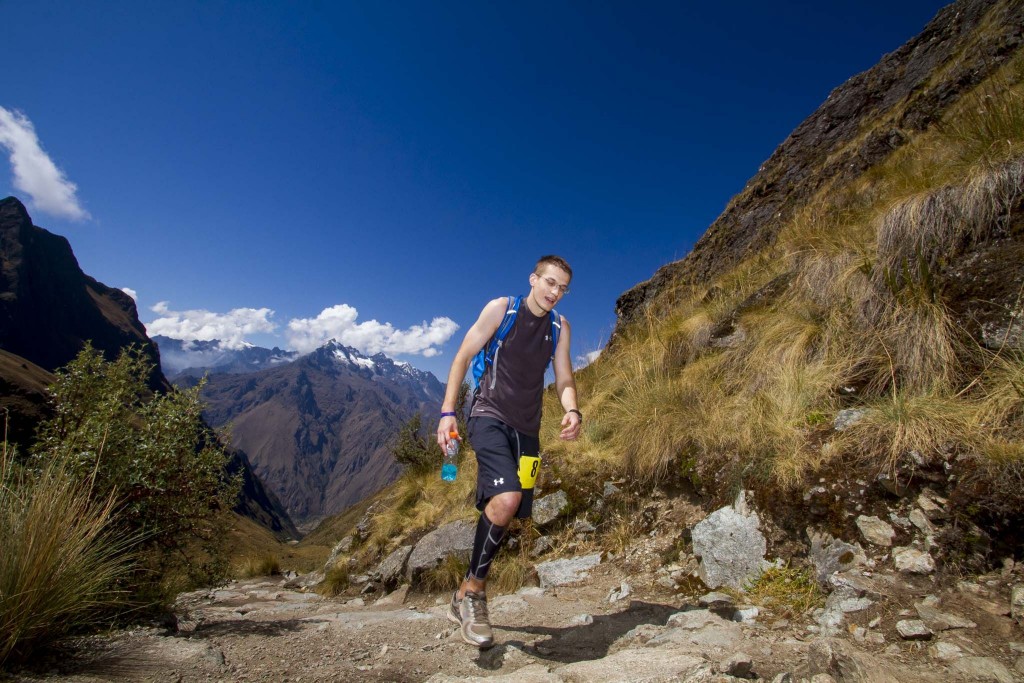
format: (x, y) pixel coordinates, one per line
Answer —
(451, 458)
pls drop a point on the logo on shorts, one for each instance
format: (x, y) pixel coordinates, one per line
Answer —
(499, 481)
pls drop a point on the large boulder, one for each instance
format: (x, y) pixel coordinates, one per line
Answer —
(454, 539)
(730, 545)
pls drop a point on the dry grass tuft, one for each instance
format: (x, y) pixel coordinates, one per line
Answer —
(264, 565)
(789, 592)
(60, 561)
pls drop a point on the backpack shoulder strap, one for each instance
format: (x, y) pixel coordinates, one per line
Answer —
(556, 329)
(510, 317)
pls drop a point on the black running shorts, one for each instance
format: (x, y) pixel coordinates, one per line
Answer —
(506, 460)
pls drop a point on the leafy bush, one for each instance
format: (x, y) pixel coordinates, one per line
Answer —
(151, 454)
(61, 559)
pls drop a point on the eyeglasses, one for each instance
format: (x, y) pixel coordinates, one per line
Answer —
(553, 284)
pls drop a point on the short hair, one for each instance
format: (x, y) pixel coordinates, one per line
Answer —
(553, 260)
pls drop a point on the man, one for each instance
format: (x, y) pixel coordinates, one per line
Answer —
(504, 424)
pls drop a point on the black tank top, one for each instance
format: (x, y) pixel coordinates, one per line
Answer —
(517, 375)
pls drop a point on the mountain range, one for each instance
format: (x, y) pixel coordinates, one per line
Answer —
(317, 429)
(184, 362)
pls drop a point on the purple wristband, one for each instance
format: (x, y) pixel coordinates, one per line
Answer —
(447, 414)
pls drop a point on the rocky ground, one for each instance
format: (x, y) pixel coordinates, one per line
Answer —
(625, 619)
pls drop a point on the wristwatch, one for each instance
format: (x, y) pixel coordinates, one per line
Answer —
(576, 410)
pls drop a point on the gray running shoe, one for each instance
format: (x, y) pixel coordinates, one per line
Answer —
(470, 613)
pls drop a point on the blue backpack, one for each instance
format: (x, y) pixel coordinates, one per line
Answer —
(488, 355)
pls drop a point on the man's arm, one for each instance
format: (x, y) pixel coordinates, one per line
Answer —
(477, 335)
(565, 385)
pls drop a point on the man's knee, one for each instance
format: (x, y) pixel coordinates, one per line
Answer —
(503, 507)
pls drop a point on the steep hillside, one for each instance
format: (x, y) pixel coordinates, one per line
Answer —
(318, 429)
(860, 124)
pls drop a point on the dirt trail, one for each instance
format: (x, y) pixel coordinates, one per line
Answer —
(260, 631)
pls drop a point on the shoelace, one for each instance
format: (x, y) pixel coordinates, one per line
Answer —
(477, 607)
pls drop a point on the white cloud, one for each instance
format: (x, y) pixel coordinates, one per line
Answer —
(339, 322)
(230, 328)
(34, 172)
(131, 292)
(586, 359)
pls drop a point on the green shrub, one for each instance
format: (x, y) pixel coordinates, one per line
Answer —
(62, 559)
(152, 454)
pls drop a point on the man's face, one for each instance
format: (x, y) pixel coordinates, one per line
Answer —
(549, 286)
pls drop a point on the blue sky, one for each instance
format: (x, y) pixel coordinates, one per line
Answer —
(278, 173)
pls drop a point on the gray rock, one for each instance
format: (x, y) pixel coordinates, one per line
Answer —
(853, 584)
(830, 555)
(940, 621)
(715, 600)
(540, 546)
(668, 665)
(984, 669)
(946, 652)
(564, 572)
(550, 507)
(730, 545)
(388, 571)
(582, 526)
(921, 521)
(913, 629)
(847, 418)
(746, 615)
(343, 546)
(738, 664)
(1017, 603)
(610, 489)
(454, 539)
(784, 677)
(365, 525)
(932, 505)
(693, 619)
(620, 593)
(875, 530)
(854, 605)
(829, 657)
(396, 597)
(912, 561)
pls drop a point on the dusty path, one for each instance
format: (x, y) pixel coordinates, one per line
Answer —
(261, 631)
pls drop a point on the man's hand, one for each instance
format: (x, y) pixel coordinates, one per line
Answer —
(444, 427)
(571, 425)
